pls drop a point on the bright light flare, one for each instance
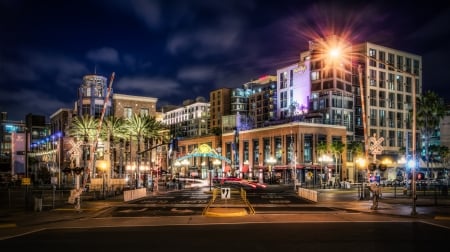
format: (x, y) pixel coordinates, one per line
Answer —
(335, 52)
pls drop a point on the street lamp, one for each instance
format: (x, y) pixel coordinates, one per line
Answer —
(216, 164)
(102, 166)
(185, 165)
(323, 159)
(361, 164)
(271, 161)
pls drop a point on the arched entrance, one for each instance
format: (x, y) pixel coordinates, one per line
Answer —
(209, 161)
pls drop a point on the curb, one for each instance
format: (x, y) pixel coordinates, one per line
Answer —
(226, 212)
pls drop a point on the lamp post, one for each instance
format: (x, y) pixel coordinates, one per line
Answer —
(271, 161)
(323, 159)
(102, 166)
(361, 164)
(185, 164)
(216, 163)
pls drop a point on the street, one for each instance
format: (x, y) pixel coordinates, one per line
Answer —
(244, 236)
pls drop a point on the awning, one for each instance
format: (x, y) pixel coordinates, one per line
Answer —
(298, 166)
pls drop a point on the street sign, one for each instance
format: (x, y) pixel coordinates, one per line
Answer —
(26, 181)
(225, 192)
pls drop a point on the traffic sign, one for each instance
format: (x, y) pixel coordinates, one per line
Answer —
(225, 192)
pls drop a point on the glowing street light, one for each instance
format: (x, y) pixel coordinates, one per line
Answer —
(271, 161)
(323, 159)
(102, 166)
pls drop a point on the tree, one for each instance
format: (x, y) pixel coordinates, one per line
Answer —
(141, 128)
(114, 132)
(322, 149)
(337, 148)
(355, 148)
(84, 127)
(137, 129)
(430, 110)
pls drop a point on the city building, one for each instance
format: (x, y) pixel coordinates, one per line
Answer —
(190, 120)
(220, 106)
(363, 95)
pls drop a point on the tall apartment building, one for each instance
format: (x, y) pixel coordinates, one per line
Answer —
(389, 76)
(262, 100)
(332, 93)
(220, 105)
(329, 88)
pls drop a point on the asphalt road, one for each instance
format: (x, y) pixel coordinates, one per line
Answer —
(306, 236)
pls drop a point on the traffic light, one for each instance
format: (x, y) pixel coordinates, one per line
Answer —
(175, 144)
(382, 167)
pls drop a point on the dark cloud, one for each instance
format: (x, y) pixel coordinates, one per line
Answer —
(177, 50)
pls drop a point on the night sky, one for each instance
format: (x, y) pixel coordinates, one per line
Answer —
(178, 50)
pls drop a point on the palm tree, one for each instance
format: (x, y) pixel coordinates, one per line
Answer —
(444, 155)
(155, 135)
(137, 129)
(114, 132)
(141, 128)
(322, 149)
(355, 149)
(430, 110)
(84, 127)
(337, 148)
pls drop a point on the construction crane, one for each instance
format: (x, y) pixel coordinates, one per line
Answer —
(99, 127)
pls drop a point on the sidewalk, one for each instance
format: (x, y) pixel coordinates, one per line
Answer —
(391, 203)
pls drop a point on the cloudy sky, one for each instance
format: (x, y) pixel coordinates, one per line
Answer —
(176, 50)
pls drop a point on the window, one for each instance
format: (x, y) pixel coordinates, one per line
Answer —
(372, 77)
(283, 80)
(399, 62)
(416, 67)
(372, 54)
(382, 79)
(408, 64)
(382, 99)
(127, 112)
(373, 117)
(315, 75)
(382, 118)
(144, 112)
(400, 83)
(373, 97)
(400, 138)
(391, 61)
(382, 58)
(291, 78)
(391, 83)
